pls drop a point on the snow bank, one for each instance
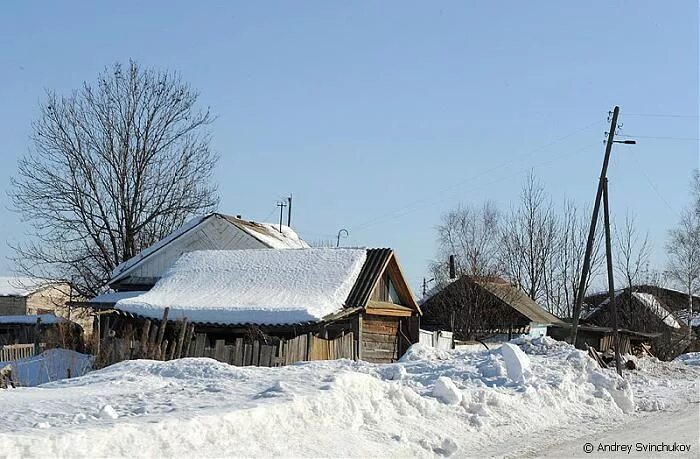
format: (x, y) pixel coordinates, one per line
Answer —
(253, 286)
(440, 404)
(690, 358)
(446, 391)
(50, 365)
(516, 362)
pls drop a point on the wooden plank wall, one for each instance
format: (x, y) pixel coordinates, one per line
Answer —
(239, 352)
(379, 339)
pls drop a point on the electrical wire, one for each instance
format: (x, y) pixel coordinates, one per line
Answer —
(637, 164)
(661, 115)
(407, 210)
(657, 137)
(423, 201)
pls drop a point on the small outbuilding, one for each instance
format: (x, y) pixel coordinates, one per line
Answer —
(477, 308)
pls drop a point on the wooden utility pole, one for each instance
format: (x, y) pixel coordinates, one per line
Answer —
(591, 233)
(289, 210)
(611, 277)
(281, 205)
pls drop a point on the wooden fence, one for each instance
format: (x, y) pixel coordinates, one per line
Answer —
(12, 352)
(240, 352)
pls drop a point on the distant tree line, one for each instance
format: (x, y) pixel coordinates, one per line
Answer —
(537, 247)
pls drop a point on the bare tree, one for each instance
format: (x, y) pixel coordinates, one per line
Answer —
(683, 250)
(115, 166)
(632, 253)
(471, 235)
(563, 271)
(529, 239)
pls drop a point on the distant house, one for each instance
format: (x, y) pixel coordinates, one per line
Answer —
(482, 308)
(260, 296)
(211, 232)
(23, 300)
(654, 311)
(26, 295)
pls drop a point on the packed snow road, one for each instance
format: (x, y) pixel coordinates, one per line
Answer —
(432, 403)
(666, 434)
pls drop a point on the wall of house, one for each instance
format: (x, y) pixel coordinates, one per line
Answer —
(379, 339)
(213, 234)
(13, 306)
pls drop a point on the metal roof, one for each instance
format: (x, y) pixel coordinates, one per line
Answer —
(518, 300)
(376, 261)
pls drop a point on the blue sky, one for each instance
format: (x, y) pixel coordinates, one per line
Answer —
(380, 116)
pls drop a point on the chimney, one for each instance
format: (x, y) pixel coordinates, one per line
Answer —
(453, 274)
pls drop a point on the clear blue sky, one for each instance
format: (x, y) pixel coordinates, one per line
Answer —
(380, 116)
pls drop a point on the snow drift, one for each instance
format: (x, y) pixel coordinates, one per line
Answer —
(431, 403)
(50, 365)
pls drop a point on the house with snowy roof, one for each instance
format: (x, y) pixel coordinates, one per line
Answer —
(210, 232)
(651, 310)
(29, 295)
(227, 295)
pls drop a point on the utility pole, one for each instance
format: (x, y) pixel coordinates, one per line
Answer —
(289, 210)
(281, 205)
(591, 234)
(611, 278)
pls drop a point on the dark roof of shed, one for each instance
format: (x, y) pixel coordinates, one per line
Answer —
(375, 263)
(504, 292)
(518, 300)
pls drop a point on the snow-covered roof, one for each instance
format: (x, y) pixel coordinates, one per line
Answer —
(21, 286)
(48, 319)
(267, 233)
(113, 297)
(655, 306)
(272, 287)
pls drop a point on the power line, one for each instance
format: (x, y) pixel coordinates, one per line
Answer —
(651, 182)
(408, 209)
(423, 201)
(661, 115)
(658, 137)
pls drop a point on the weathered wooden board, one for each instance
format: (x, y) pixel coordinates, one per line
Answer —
(380, 325)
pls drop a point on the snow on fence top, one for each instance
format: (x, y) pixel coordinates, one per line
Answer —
(272, 287)
(21, 286)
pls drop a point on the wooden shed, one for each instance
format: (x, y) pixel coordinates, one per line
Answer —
(481, 308)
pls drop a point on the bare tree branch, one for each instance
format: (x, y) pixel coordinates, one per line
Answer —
(115, 167)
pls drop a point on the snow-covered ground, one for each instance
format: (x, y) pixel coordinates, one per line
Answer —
(433, 403)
